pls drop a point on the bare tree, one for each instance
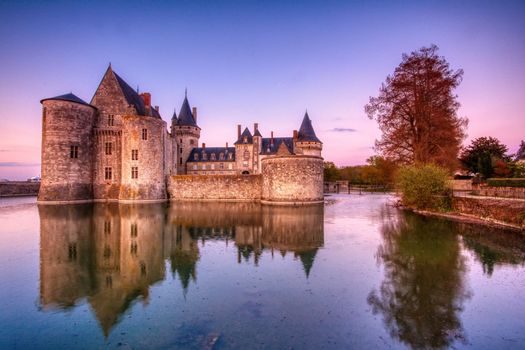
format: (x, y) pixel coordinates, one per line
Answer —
(416, 110)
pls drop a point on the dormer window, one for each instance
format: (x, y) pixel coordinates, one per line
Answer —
(230, 156)
(204, 156)
(245, 139)
(213, 156)
(221, 156)
(196, 156)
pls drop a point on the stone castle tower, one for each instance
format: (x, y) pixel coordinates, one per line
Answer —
(118, 148)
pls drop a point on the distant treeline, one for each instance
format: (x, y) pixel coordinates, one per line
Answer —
(377, 172)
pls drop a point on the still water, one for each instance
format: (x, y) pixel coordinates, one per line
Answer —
(354, 273)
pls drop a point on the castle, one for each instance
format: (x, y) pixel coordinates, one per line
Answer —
(118, 148)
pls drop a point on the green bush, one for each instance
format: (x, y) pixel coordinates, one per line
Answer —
(506, 182)
(424, 187)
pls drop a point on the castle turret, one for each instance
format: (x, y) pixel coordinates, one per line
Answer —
(187, 134)
(245, 150)
(67, 149)
(305, 140)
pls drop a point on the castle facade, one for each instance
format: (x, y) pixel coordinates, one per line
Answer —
(118, 148)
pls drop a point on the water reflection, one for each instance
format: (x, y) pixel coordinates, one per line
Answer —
(424, 288)
(111, 254)
(423, 291)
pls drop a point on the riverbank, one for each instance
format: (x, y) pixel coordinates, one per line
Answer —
(19, 188)
(489, 211)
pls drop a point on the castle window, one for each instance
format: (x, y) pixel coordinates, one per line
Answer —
(107, 251)
(109, 281)
(230, 156)
(107, 228)
(134, 248)
(203, 166)
(108, 173)
(196, 156)
(245, 164)
(109, 148)
(192, 142)
(221, 166)
(144, 134)
(194, 166)
(204, 156)
(134, 172)
(111, 120)
(209, 166)
(245, 139)
(230, 166)
(180, 160)
(180, 150)
(221, 156)
(72, 251)
(213, 167)
(134, 230)
(213, 156)
(73, 152)
(134, 154)
(246, 155)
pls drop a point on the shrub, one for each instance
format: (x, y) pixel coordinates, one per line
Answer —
(506, 182)
(424, 187)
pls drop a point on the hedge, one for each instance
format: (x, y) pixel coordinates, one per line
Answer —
(505, 182)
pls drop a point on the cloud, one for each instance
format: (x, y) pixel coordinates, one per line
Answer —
(343, 130)
(17, 164)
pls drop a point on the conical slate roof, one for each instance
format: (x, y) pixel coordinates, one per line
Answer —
(257, 133)
(68, 97)
(185, 114)
(174, 118)
(306, 131)
(246, 133)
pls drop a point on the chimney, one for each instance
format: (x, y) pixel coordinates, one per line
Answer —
(194, 112)
(295, 135)
(255, 127)
(157, 108)
(146, 97)
(203, 146)
(238, 131)
(271, 139)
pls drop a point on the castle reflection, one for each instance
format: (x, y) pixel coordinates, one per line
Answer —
(111, 254)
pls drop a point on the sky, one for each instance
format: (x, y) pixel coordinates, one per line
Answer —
(257, 61)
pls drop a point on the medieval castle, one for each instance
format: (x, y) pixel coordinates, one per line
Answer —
(118, 148)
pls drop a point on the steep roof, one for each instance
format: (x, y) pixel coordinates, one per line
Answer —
(257, 133)
(185, 115)
(68, 97)
(127, 94)
(209, 151)
(269, 149)
(131, 96)
(306, 131)
(174, 118)
(246, 133)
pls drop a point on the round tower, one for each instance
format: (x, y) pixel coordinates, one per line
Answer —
(67, 149)
(186, 133)
(305, 141)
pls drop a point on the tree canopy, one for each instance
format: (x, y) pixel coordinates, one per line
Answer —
(482, 154)
(416, 110)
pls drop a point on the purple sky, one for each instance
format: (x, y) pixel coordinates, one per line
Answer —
(266, 62)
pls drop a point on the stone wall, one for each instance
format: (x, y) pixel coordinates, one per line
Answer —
(505, 192)
(215, 187)
(22, 188)
(66, 124)
(292, 179)
(150, 183)
(505, 210)
(461, 185)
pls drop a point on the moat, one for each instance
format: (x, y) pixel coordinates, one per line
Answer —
(354, 273)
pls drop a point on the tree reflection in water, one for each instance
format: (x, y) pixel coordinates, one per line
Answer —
(422, 294)
(111, 254)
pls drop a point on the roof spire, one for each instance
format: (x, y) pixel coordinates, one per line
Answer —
(137, 89)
